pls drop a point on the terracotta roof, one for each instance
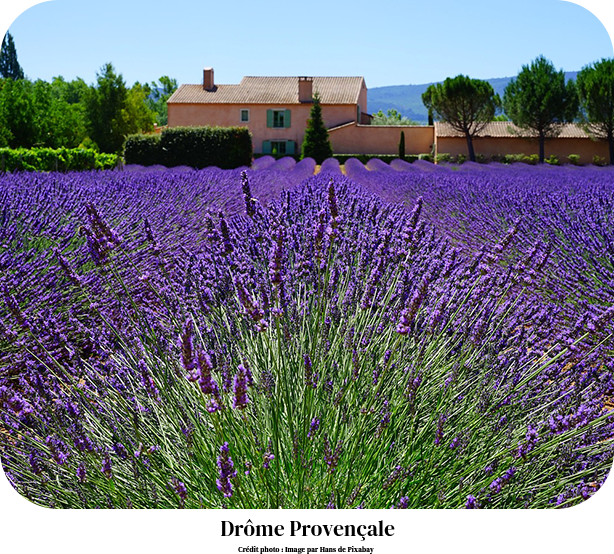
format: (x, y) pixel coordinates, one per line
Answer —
(506, 129)
(271, 90)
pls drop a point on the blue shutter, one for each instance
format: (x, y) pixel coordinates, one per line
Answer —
(266, 146)
(269, 118)
(289, 147)
(287, 119)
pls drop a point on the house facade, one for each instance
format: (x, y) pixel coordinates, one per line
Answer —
(274, 109)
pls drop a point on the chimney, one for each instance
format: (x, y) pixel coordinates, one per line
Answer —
(305, 89)
(208, 79)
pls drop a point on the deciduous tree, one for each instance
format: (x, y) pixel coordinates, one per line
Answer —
(595, 84)
(114, 111)
(466, 104)
(541, 101)
(159, 93)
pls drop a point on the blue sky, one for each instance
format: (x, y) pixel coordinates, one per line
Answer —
(389, 42)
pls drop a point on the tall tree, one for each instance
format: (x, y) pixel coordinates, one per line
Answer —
(539, 100)
(159, 93)
(18, 118)
(595, 84)
(9, 66)
(466, 104)
(114, 111)
(316, 143)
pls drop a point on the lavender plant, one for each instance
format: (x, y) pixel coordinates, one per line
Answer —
(390, 339)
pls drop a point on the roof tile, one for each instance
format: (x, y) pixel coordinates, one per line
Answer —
(271, 90)
(506, 129)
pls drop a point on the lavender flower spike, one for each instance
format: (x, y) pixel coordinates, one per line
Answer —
(227, 471)
(240, 389)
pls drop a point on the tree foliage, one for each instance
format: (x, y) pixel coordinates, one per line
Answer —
(159, 93)
(539, 100)
(316, 143)
(391, 117)
(466, 104)
(595, 85)
(114, 111)
(9, 66)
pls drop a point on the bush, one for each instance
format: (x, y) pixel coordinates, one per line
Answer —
(573, 159)
(444, 157)
(198, 147)
(598, 160)
(60, 159)
(532, 159)
(552, 160)
(143, 150)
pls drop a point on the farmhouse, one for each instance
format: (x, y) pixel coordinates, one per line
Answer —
(276, 110)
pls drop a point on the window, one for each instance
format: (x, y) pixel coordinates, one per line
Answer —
(278, 147)
(278, 119)
(244, 116)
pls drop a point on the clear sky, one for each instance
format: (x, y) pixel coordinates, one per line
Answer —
(389, 42)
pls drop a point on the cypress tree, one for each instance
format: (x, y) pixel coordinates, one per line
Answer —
(316, 144)
(402, 146)
(9, 66)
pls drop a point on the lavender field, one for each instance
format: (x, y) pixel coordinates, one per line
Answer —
(398, 336)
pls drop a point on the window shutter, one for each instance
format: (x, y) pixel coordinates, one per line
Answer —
(290, 147)
(287, 119)
(269, 118)
(266, 145)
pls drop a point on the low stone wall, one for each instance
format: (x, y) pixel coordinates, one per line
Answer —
(353, 138)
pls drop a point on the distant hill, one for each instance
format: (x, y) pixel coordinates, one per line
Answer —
(407, 99)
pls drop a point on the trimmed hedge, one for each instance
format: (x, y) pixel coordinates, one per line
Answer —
(55, 159)
(143, 150)
(197, 147)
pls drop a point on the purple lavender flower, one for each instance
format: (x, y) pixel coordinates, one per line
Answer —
(227, 471)
(148, 382)
(180, 490)
(313, 427)
(471, 503)
(402, 504)
(247, 195)
(14, 308)
(331, 457)
(268, 457)
(67, 268)
(187, 350)
(276, 267)
(408, 314)
(58, 449)
(241, 399)
(106, 467)
(82, 472)
(439, 433)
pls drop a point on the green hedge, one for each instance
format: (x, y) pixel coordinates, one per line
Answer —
(55, 159)
(143, 150)
(198, 147)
